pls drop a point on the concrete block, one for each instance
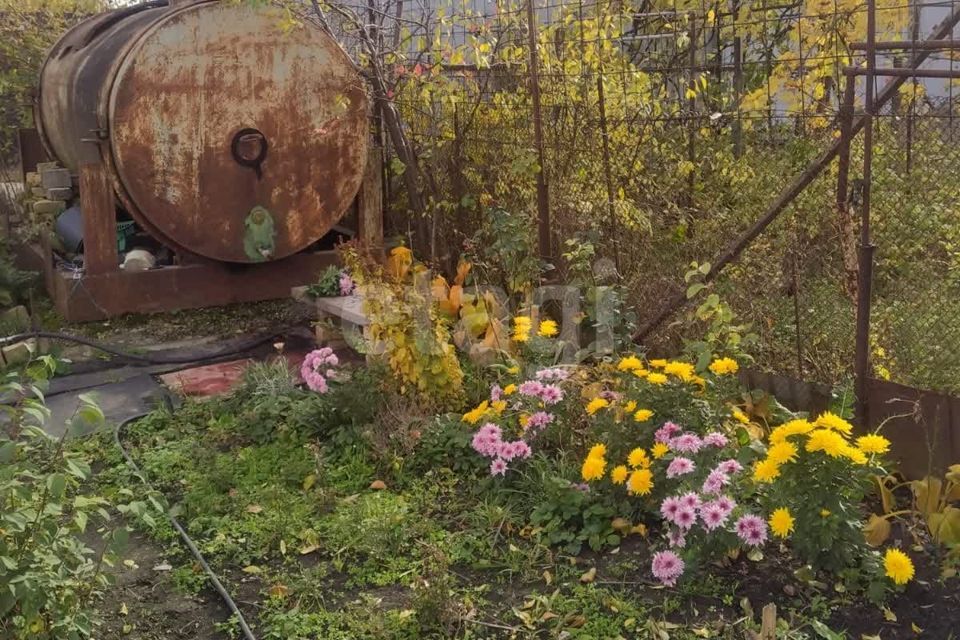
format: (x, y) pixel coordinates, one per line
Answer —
(19, 352)
(48, 207)
(60, 193)
(47, 166)
(33, 179)
(38, 192)
(56, 179)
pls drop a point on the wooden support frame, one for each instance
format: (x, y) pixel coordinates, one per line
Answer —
(104, 290)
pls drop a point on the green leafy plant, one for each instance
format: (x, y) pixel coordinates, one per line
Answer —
(721, 335)
(49, 578)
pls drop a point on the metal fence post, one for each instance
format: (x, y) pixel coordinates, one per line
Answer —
(864, 282)
(543, 195)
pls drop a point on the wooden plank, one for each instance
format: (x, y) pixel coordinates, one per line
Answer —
(370, 203)
(98, 208)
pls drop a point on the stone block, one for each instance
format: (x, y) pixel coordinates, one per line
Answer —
(38, 192)
(60, 193)
(47, 166)
(33, 179)
(48, 207)
(19, 352)
(56, 179)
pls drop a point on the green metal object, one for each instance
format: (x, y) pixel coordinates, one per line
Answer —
(259, 234)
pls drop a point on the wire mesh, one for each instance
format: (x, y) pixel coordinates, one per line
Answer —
(668, 127)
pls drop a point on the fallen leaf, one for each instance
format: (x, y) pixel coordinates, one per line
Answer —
(917, 630)
(283, 547)
(876, 530)
(279, 590)
(163, 567)
(254, 508)
(378, 485)
(547, 577)
(888, 615)
(589, 576)
(309, 481)
(702, 632)
(252, 569)
(123, 609)
(310, 548)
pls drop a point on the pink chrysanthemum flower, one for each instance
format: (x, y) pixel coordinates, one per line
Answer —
(715, 439)
(539, 420)
(669, 508)
(555, 374)
(713, 515)
(498, 467)
(347, 285)
(665, 433)
(685, 518)
(495, 393)
(679, 467)
(715, 482)
(686, 443)
(531, 388)
(690, 500)
(551, 394)
(726, 503)
(315, 368)
(751, 529)
(730, 467)
(521, 449)
(667, 566)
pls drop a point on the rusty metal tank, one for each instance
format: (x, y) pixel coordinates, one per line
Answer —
(227, 133)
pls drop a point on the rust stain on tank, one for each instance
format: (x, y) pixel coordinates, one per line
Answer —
(192, 84)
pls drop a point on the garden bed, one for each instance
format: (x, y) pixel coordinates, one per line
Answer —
(336, 516)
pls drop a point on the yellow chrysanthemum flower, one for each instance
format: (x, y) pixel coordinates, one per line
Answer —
(510, 389)
(825, 513)
(629, 363)
(498, 406)
(781, 522)
(523, 420)
(521, 328)
(659, 450)
(656, 378)
(832, 421)
(782, 452)
(873, 443)
(898, 566)
(682, 370)
(724, 366)
(641, 482)
(641, 373)
(618, 475)
(787, 429)
(548, 329)
(514, 370)
(597, 451)
(659, 363)
(642, 415)
(765, 471)
(593, 468)
(830, 442)
(638, 458)
(853, 454)
(630, 406)
(596, 404)
(740, 416)
(474, 416)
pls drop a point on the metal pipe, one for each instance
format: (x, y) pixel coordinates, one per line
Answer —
(925, 45)
(897, 72)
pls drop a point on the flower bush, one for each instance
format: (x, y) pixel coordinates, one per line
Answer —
(317, 368)
(673, 439)
(514, 415)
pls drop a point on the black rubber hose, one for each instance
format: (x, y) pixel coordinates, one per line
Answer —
(55, 335)
(214, 580)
